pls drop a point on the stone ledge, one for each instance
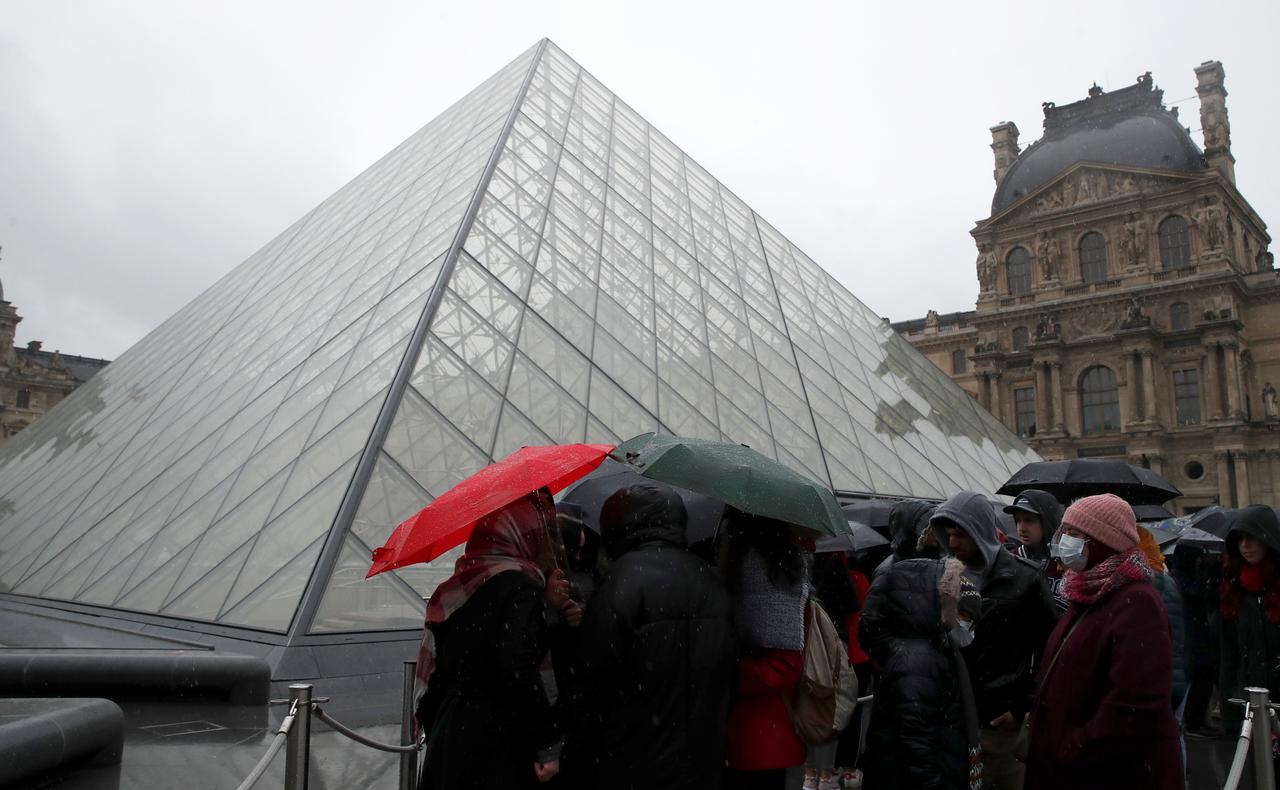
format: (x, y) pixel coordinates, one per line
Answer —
(241, 680)
(40, 735)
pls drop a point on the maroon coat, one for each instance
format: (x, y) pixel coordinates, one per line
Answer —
(1102, 718)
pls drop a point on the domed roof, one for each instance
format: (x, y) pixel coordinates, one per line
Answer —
(1128, 127)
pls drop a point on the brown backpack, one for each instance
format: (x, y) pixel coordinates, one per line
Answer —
(827, 685)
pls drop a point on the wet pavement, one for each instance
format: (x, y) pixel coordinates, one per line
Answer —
(204, 745)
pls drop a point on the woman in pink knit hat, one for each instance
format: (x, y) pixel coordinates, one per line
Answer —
(1101, 718)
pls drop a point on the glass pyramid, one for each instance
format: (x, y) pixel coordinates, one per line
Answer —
(536, 265)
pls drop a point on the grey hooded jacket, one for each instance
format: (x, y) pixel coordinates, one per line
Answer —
(1017, 611)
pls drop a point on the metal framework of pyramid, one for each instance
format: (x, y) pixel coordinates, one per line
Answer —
(536, 265)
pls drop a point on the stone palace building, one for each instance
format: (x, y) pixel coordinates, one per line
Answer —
(1128, 304)
(33, 380)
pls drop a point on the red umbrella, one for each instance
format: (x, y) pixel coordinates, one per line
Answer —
(448, 521)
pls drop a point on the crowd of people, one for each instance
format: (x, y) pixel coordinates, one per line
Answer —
(1070, 657)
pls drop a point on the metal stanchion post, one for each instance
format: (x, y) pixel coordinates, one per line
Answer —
(408, 760)
(1263, 770)
(298, 754)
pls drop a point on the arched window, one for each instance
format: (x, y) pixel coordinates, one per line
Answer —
(1179, 316)
(24, 399)
(1018, 271)
(959, 362)
(1021, 339)
(1099, 400)
(1175, 246)
(1093, 258)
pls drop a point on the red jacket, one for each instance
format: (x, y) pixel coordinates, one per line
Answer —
(860, 583)
(759, 733)
(1102, 718)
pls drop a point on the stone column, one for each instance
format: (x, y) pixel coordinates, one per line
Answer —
(1274, 457)
(984, 391)
(1004, 144)
(1230, 352)
(1212, 383)
(1131, 392)
(1214, 120)
(1042, 400)
(1224, 479)
(1148, 386)
(1243, 496)
(997, 400)
(1055, 392)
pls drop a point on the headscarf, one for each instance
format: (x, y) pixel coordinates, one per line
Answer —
(514, 538)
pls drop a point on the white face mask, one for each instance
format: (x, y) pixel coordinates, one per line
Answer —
(962, 633)
(1070, 550)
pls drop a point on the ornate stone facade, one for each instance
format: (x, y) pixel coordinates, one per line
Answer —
(32, 380)
(1128, 304)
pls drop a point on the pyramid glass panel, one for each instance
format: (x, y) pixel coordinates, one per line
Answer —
(536, 265)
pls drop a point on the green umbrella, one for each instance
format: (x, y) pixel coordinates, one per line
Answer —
(742, 477)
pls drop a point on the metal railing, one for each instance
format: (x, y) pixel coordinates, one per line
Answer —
(295, 733)
(1259, 723)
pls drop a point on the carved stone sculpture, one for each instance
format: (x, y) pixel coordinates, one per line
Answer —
(1269, 402)
(1048, 328)
(1049, 252)
(1207, 220)
(987, 266)
(1133, 316)
(1133, 242)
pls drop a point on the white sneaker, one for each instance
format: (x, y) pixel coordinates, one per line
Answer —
(810, 782)
(830, 783)
(852, 781)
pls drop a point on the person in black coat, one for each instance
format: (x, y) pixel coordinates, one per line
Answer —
(657, 655)
(1017, 617)
(485, 711)
(907, 520)
(924, 723)
(1198, 573)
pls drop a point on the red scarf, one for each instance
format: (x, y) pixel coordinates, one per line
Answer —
(1258, 579)
(1087, 587)
(511, 539)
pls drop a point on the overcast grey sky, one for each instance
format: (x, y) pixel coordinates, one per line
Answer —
(146, 148)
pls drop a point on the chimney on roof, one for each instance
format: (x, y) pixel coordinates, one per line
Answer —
(1213, 118)
(34, 345)
(1004, 143)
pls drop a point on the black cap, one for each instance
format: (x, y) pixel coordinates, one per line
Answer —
(1024, 504)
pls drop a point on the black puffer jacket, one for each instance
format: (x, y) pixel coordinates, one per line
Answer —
(658, 654)
(917, 738)
(906, 521)
(1017, 612)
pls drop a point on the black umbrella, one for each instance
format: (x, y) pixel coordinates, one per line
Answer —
(872, 513)
(1214, 520)
(1163, 536)
(589, 494)
(1151, 513)
(1191, 536)
(861, 538)
(1078, 477)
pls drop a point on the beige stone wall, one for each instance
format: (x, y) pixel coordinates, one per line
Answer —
(1231, 456)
